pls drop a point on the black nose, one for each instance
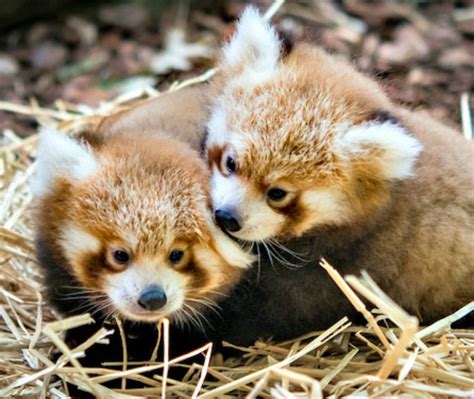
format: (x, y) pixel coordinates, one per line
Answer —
(153, 298)
(227, 221)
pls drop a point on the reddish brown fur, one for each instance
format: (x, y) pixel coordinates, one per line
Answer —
(151, 190)
(214, 156)
(80, 204)
(419, 231)
(180, 115)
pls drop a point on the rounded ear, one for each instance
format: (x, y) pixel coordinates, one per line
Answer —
(383, 145)
(59, 156)
(255, 46)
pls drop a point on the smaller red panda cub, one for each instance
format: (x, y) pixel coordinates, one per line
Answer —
(125, 228)
(306, 150)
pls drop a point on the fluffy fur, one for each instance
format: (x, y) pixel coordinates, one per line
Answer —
(397, 227)
(146, 195)
(65, 157)
(368, 185)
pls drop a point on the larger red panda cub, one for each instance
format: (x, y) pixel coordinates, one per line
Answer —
(306, 150)
(125, 228)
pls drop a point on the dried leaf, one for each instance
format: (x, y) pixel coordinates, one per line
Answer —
(178, 54)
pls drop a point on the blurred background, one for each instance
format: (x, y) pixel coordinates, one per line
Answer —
(85, 52)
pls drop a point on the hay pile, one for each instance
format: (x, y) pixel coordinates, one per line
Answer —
(376, 360)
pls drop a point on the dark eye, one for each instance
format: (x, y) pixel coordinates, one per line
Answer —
(121, 256)
(176, 255)
(230, 164)
(276, 194)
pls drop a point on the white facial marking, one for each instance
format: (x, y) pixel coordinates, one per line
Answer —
(77, 241)
(232, 252)
(217, 128)
(226, 191)
(258, 220)
(325, 207)
(60, 156)
(399, 150)
(124, 289)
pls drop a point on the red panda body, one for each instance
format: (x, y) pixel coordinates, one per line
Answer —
(309, 154)
(367, 185)
(124, 228)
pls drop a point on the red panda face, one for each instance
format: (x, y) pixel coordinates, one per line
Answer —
(132, 222)
(269, 185)
(297, 143)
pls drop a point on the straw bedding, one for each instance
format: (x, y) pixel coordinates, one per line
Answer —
(390, 356)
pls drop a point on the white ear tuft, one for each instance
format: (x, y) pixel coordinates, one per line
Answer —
(388, 143)
(255, 44)
(60, 156)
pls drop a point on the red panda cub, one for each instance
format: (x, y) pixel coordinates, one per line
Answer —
(124, 228)
(309, 156)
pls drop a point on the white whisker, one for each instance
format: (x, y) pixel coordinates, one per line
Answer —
(280, 257)
(297, 255)
(269, 252)
(259, 261)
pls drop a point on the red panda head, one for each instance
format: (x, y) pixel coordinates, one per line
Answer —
(299, 141)
(132, 224)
